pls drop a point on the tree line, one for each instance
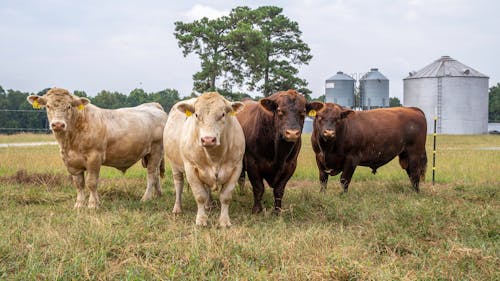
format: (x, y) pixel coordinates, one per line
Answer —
(17, 114)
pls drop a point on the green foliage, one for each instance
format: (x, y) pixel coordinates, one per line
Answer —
(17, 114)
(260, 48)
(494, 104)
(394, 102)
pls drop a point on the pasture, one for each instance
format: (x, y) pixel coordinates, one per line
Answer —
(380, 230)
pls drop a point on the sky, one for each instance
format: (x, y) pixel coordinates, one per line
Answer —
(122, 45)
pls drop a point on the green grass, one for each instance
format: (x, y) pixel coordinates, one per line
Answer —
(380, 230)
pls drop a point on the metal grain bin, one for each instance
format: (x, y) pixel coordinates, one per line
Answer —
(340, 89)
(374, 90)
(451, 91)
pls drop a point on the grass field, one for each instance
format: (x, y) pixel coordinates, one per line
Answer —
(380, 230)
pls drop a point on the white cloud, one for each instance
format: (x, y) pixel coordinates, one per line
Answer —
(199, 11)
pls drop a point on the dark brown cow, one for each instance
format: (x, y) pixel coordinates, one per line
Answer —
(343, 139)
(272, 129)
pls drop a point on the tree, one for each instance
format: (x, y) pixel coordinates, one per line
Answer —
(394, 102)
(282, 49)
(167, 98)
(110, 100)
(494, 104)
(259, 48)
(206, 38)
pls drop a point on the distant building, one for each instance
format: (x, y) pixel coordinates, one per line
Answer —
(340, 89)
(374, 90)
(451, 91)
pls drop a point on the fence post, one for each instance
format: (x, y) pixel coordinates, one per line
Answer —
(434, 152)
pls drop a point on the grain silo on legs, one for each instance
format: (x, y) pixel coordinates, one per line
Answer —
(374, 90)
(451, 91)
(340, 89)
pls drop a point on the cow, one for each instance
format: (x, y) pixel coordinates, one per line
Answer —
(204, 141)
(272, 128)
(343, 139)
(90, 137)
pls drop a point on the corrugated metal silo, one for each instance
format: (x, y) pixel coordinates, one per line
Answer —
(374, 90)
(340, 89)
(452, 91)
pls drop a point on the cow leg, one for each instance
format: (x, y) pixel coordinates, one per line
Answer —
(241, 182)
(323, 180)
(179, 185)
(258, 190)
(200, 194)
(92, 179)
(153, 166)
(345, 178)
(79, 183)
(225, 197)
(323, 176)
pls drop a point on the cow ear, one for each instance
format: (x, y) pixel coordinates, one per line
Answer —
(346, 113)
(36, 101)
(186, 108)
(313, 107)
(268, 104)
(80, 103)
(235, 107)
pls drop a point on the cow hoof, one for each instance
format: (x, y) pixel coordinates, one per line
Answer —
(225, 222)
(322, 190)
(78, 205)
(277, 211)
(177, 210)
(93, 206)
(201, 221)
(256, 209)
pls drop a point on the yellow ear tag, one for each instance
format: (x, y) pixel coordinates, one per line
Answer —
(36, 105)
(188, 113)
(80, 107)
(312, 113)
(232, 113)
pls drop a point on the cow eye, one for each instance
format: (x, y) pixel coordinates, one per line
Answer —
(223, 114)
(69, 107)
(48, 106)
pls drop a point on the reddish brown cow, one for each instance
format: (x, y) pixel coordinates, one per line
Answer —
(343, 139)
(272, 129)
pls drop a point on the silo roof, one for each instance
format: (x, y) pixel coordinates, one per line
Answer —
(445, 67)
(340, 76)
(374, 74)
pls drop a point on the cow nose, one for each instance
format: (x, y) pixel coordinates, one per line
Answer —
(208, 141)
(292, 135)
(329, 133)
(58, 126)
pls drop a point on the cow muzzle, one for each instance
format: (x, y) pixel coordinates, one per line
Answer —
(329, 134)
(58, 126)
(292, 135)
(208, 141)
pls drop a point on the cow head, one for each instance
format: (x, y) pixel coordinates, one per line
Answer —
(211, 112)
(62, 108)
(289, 110)
(327, 119)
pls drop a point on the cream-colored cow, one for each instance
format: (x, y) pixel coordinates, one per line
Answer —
(204, 140)
(90, 136)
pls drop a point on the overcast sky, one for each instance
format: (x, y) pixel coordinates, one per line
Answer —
(122, 45)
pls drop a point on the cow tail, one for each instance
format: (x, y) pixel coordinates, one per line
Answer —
(162, 167)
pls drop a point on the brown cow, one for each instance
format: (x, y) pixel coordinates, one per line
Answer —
(90, 137)
(272, 130)
(343, 139)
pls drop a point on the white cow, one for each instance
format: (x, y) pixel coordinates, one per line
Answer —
(90, 136)
(204, 140)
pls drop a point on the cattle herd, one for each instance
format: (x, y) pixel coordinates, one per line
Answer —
(214, 143)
